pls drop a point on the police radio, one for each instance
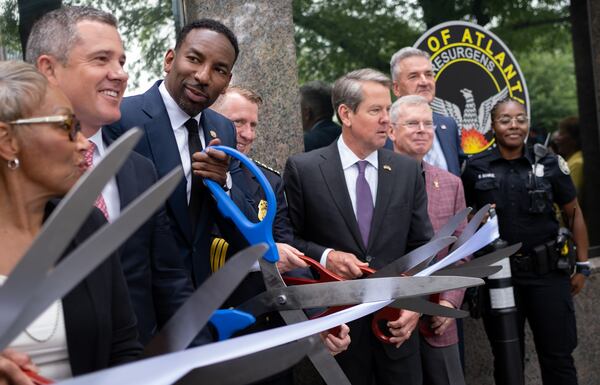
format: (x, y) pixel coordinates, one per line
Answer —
(538, 198)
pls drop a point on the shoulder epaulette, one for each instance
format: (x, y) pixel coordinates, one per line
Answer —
(266, 167)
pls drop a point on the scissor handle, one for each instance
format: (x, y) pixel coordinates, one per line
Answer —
(253, 232)
(229, 321)
(381, 317)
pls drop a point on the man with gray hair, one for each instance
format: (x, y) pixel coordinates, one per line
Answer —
(412, 74)
(412, 132)
(353, 204)
(80, 50)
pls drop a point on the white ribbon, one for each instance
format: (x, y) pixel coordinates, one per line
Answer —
(166, 369)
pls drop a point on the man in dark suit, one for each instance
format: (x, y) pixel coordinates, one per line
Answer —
(177, 124)
(89, 70)
(317, 113)
(354, 204)
(412, 74)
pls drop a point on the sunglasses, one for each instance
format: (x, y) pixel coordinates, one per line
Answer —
(68, 123)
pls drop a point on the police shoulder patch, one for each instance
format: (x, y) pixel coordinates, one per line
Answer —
(563, 165)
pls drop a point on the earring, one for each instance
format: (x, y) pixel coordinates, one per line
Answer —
(13, 164)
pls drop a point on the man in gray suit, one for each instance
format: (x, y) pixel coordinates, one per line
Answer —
(354, 204)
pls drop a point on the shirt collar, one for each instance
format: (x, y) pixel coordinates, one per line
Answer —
(176, 115)
(98, 142)
(349, 158)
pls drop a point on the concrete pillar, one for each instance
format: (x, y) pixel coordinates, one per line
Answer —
(267, 65)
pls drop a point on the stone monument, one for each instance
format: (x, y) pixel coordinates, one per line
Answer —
(267, 65)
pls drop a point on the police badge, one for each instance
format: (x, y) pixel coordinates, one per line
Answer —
(262, 209)
(563, 165)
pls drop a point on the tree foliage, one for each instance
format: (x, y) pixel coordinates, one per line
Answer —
(9, 29)
(147, 28)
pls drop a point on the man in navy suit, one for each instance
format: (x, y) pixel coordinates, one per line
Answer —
(175, 117)
(89, 70)
(412, 74)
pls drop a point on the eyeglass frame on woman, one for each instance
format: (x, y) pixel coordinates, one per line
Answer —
(511, 119)
(69, 123)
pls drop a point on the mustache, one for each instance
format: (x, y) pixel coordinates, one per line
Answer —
(200, 88)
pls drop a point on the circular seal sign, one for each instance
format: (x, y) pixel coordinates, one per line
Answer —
(473, 70)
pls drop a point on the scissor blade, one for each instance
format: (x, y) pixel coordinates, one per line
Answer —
(322, 360)
(91, 253)
(468, 271)
(490, 258)
(353, 292)
(253, 367)
(59, 229)
(187, 322)
(421, 305)
(452, 224)
(471, 227)
(412, 259)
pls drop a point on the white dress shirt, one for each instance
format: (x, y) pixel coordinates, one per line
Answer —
(350, 167)
(435, 155)
(178, 117)
(110, 193)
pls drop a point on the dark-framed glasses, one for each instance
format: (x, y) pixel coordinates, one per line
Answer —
(519, 119)
(67, 122)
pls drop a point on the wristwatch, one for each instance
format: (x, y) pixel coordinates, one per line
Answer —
(583, 268)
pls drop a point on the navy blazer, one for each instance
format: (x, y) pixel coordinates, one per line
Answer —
(321, 134)
(99, 320)
(158, 280)
(448, 135)
(148, 112)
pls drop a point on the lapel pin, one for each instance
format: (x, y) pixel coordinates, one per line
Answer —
(213, 134)
(436, 184)
(443, 126)
(387, 167)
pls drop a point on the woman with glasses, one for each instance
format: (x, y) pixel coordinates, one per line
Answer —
(523, 185)
(41, 158)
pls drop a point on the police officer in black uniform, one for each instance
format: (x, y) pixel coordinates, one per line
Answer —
(523, 188)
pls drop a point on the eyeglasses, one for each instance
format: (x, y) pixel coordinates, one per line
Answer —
(68, 123)
(414, 125)
(506, 120)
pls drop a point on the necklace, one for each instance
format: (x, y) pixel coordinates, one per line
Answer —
(42, 339)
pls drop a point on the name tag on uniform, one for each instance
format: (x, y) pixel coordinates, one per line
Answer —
(486, 175)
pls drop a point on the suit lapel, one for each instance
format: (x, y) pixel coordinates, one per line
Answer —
(165, 154)
(334, 179)
(385, 184)
(125, 178)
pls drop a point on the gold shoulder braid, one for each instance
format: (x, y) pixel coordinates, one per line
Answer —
(218, 253)
(265, 166)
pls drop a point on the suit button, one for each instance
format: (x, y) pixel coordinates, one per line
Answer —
(368, 258)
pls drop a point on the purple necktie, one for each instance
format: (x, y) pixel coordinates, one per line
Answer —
(364, 202)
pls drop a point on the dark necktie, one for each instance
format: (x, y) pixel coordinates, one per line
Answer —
(364, 202)
(197, 191)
